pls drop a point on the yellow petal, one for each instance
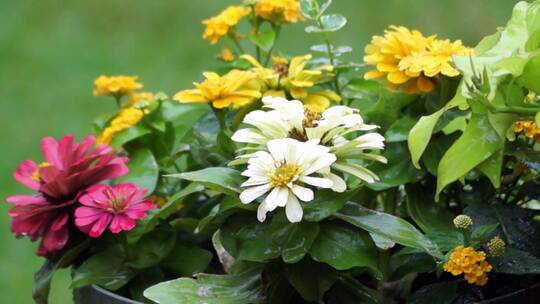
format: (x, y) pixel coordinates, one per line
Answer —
(252, 60)
(425, 85)
(188, 96)
(373, 74)
(397, 77)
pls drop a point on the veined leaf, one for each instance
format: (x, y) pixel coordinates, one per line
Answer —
(220, 179)
(143, 170)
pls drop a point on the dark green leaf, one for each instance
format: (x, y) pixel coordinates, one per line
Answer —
(325, 204)
(242, 288)
(399, 130)
(482, 233)
(151, 249)
(312, 280)
(143, 170)
(220, 213)
(427, 214)
(344, 247)
(220, 179)
(106, 268)
(187, 259)
(516, 262)
(295, 239)
(443, 293)
(389, 226)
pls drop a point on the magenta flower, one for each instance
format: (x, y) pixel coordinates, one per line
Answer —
(70, 168)
(118, 207)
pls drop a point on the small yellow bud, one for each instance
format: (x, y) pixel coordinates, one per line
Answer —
(496, 247)
(463, 221)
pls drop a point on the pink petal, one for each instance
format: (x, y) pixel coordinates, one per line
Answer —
(26, 200)
(100, 226)
(49, 148)
(55, 240)
(115, 226)
(24, 174)
(82, 212)
(60, 222)
(65, 151)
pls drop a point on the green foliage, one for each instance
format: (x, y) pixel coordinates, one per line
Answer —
(224, 180)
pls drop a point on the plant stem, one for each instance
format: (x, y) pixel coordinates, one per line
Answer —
(277, 30)
(118, 99)
(220, 115)
(238, 45)
(332, 59)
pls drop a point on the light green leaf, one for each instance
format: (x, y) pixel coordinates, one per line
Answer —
(309, 9)
(420, 134)
(329, 23)
(479, 142)
(531, 74)
(242, 288)
(264, 40)
(344, 247)
(336, 50)
(492, 167)
(388, 226)
(183, 116)
(129, 134)
(220, 179)
(143, 170)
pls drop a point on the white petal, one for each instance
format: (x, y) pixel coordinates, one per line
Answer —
(293, 210)
(317, 181)
(357, 170)
(276, 198)
(249, 195)
(249, 135)
(255, 181)
(261, 212)
(304, 194)
(323, 161)
(278, 148)
(339, 183)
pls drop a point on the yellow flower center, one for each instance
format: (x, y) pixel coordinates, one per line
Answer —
(35, 175)
(283, 175)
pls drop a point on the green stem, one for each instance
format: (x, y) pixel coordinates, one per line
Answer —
(514, 110)
(220, 115)
(466, 237)
(277, 30)
(332, 59)
(118, 100)
(237, 44)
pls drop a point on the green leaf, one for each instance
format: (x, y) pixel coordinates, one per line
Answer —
(42, 278)
(516, 262)
(478, 143)
(130, 134)
(183, 116)
(264, 40)
(443, 293)
(325, 204)
(481, 233)
(400, 129)
(381, 241)
(427, 214)
(225, 180)
(388, 107)
(402, 265)
(143, 170)
(336, 50)
(242, 288)
(151, 249)
(420, 134)
(332, 23)
(309, 9)
(344, 247)
(295, 239)
(106, 268)
(537, 119)
(388, 226)
(187, 259)
(220, 212)
(312, 280)
(531, 74)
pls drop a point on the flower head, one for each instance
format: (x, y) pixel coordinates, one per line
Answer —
(496, 246)
(408, 59)
(294, 79)
(471, 263)
(463, 221)
(279, 11)
(234, 88)
(117, 207)
(70, 168)
(222, 24)
(116, 86)
(283, 171)
(139, 97)
(226, 55)
(528, 128)
(331, 128)
(125, 119)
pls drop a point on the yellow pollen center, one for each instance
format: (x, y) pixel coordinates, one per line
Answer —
(283, 175)
(35, 174)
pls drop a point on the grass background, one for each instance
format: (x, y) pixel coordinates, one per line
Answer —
(51, 51)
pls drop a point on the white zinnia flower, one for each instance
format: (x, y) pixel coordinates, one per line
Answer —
(283, 170)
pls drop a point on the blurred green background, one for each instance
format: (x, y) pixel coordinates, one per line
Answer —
(51, 51)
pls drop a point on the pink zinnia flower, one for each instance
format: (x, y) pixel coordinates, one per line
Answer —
(117, 207)
(70, 168)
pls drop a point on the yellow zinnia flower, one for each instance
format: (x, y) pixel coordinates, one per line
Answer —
(408, 59)
(471, 263)
(294, 79)
(116, 86)
(279, 11)
(125, 119)
(221, 25)
(236, 87)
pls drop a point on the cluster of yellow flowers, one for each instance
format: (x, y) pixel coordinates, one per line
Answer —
(236, 88)
(472, 263)
(408, 59)
(131, 112)
(125, 119)
(285, 77)
(116, 86)
(222, 24)
(279, 11)
(529, 128)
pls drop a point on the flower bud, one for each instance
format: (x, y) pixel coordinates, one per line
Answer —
(463, 221)
(496, 246)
